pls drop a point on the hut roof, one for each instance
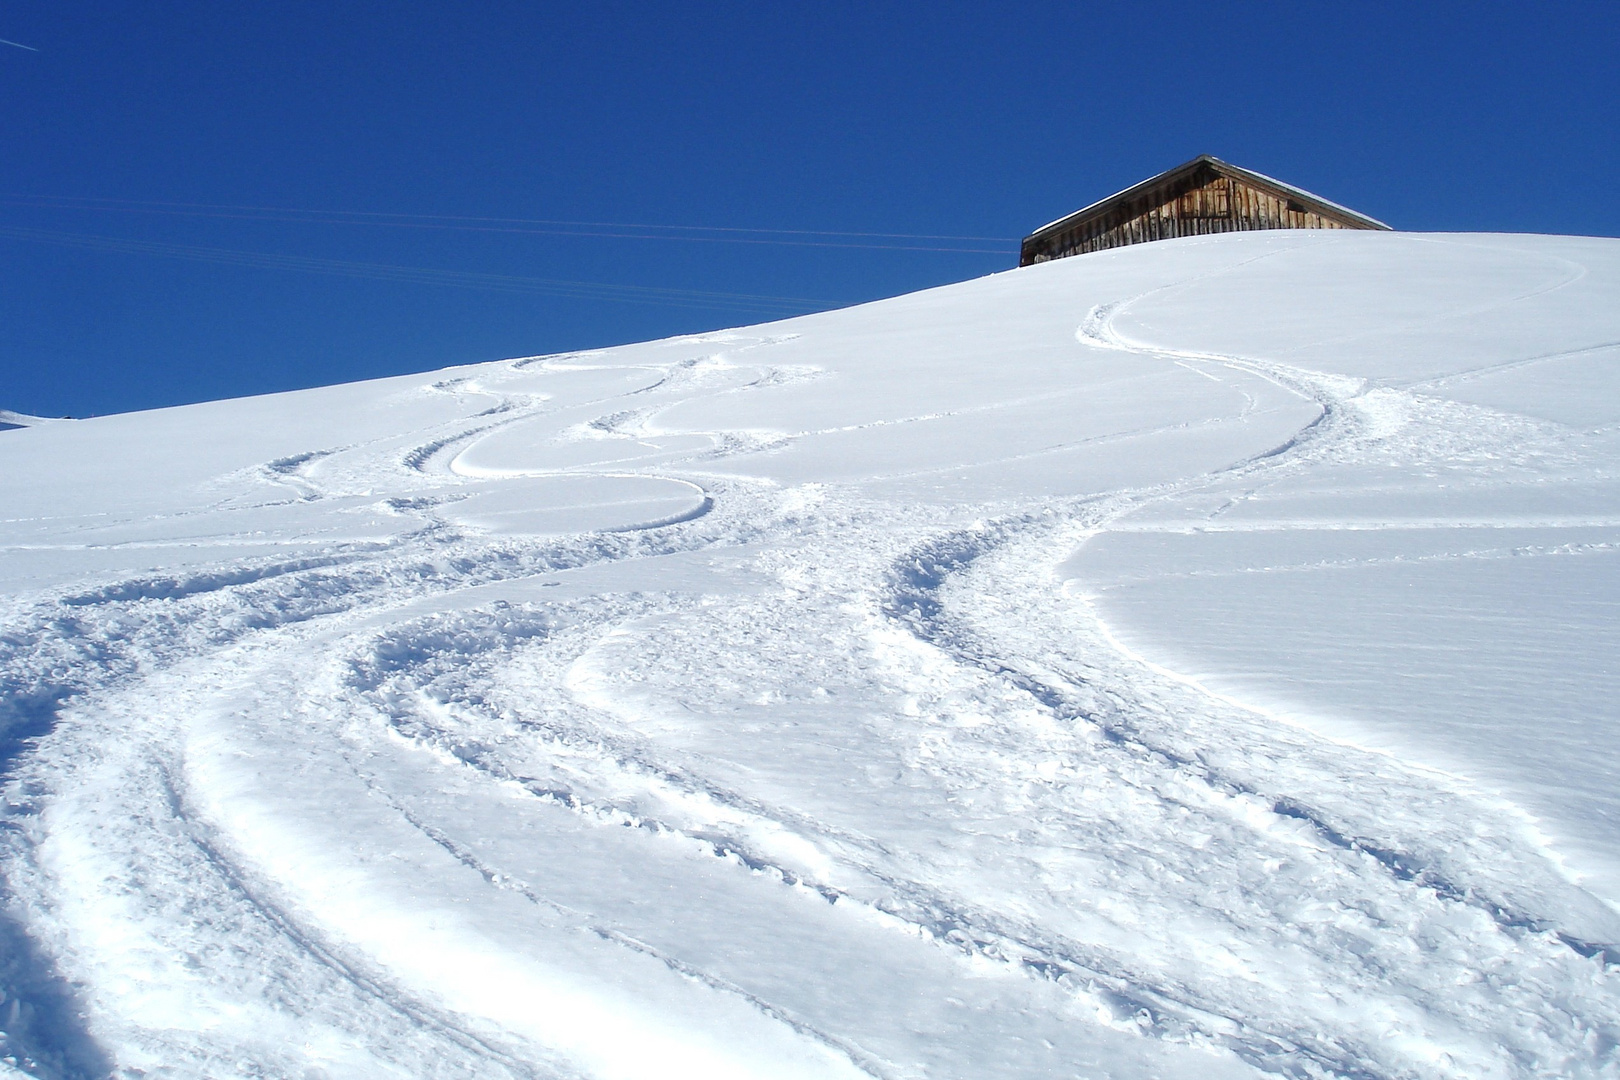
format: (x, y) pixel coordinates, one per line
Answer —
(1260, 180)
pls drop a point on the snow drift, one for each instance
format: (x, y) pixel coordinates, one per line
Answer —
(1195, 659)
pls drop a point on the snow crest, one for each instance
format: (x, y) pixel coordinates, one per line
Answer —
(986, 682)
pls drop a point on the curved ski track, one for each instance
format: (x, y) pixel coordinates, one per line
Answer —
(1165, 862)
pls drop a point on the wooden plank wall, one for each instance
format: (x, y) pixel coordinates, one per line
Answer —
(1203, 203)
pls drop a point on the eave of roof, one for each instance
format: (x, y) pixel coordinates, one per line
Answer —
(1236, 172)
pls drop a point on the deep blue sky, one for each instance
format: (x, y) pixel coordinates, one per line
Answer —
(939, 118)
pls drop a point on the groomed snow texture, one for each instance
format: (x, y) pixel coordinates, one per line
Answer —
(1191, 660)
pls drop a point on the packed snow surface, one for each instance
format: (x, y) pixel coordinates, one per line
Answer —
(1190, 660)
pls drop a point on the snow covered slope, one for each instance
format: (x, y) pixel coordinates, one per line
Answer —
(1195, 659)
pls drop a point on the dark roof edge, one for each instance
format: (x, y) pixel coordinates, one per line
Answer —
(1248, 176)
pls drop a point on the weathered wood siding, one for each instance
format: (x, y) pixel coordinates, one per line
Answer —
(1197, 204)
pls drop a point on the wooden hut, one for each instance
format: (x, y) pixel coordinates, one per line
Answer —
(1206, 195)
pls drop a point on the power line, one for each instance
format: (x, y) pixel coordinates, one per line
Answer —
(534, 226)
(756, 304)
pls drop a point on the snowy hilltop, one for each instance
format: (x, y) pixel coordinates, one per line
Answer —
(10, 420)
(1190, 660)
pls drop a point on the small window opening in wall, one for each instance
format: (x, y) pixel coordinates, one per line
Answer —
(1296, 206)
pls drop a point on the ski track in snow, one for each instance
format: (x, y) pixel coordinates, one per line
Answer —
(418, 807)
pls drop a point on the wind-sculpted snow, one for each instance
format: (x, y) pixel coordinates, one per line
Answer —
(1189, 660)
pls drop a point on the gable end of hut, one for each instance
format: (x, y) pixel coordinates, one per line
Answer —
(1206, 195)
